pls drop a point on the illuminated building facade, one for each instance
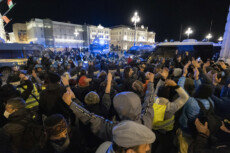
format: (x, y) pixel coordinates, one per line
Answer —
(123, 36)
(102, 33)
(55, 34)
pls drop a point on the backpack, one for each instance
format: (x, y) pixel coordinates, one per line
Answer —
(214, 122)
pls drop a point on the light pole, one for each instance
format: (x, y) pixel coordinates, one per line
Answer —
(220, 39)
(76, 33)
(209, 36)
(135, 19)
(188, 32)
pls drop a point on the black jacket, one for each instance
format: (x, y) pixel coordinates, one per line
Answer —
(81, 92)
(15, 130)
(75, 145)
(200, 145)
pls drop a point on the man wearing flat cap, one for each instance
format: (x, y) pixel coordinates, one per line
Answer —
(129, 137)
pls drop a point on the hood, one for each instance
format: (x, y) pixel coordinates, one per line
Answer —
(127, 105)
(162, 101)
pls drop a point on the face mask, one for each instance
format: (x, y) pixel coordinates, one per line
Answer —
(6, 114)
(61, 144)
(60, 141)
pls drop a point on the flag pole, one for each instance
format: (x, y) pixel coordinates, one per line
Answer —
(7, 23)
(8, 10)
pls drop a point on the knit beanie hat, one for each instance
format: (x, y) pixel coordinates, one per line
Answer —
(55, 124)
(92, 98)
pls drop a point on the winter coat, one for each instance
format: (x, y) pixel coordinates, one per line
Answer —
(173, 107)
(191, 109)
(222, 106)
(201, 145)
(15, 130)
(51, 102)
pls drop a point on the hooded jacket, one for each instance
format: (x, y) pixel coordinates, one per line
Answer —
(15, 130)
(128, 109)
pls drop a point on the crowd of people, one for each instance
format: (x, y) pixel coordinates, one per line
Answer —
(71, 103)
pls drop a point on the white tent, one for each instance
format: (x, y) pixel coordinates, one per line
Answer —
(225, 51)
(2, 30)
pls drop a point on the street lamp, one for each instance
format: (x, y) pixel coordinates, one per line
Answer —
(76, 33)
(188, 32)
(135, 19)
(209, 36)
(220, 39)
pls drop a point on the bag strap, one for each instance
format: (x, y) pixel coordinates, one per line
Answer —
(31, 94)
(211, 108)
(203, 109)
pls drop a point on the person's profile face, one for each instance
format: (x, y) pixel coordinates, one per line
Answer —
(60, 135)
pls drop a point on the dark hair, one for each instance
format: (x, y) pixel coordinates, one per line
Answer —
(53, 77)
(164, 92)
(204, 91)
(83, 72)
(126, 72)
(119, 149)
(189, 86)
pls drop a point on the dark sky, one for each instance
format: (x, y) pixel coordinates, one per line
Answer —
(162, 16)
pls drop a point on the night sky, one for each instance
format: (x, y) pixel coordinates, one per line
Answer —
(162, 16)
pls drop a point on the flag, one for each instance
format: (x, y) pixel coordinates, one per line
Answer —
(6, 19)
(10, 4)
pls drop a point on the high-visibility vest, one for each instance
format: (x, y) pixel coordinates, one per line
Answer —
(158, 121)
(31, 101)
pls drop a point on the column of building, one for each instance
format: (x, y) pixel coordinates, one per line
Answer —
(2, 30)
(225, 51)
